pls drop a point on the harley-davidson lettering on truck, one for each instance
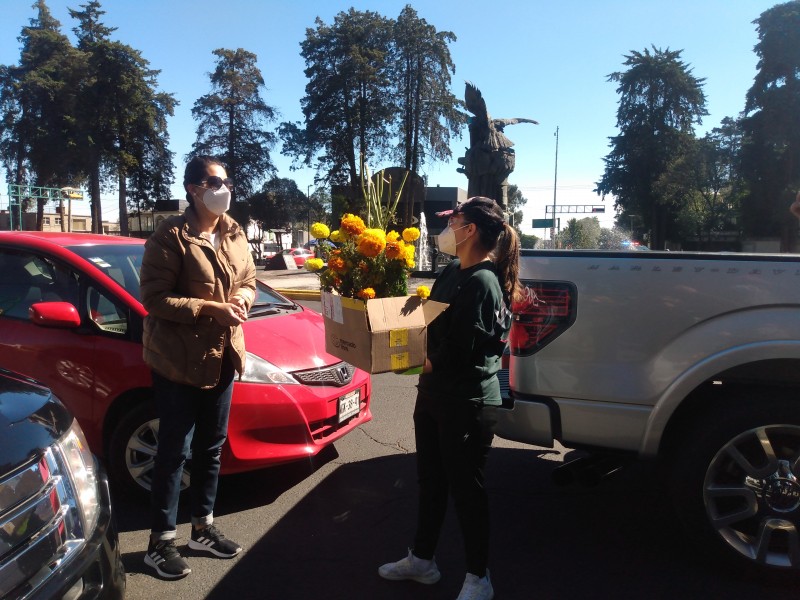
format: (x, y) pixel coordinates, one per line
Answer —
(690, 358)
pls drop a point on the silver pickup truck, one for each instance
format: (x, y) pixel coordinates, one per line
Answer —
(689, 358)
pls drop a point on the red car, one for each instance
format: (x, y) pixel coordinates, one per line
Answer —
(70, 316)
(300, 255)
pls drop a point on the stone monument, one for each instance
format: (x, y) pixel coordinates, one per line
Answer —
(490, 159)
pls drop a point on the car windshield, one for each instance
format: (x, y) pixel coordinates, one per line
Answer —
(121, 262)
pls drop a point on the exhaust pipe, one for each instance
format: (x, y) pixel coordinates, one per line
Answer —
(588, 470)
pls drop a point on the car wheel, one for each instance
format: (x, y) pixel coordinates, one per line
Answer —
(734, 480)
(133, 450)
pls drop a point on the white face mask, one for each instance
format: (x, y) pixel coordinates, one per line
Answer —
(217, 201)
(447, 240)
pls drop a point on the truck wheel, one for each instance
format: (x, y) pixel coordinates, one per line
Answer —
(132, 451)
(734, 480)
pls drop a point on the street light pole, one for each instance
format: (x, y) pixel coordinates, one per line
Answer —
(555, 187)
(308, 212)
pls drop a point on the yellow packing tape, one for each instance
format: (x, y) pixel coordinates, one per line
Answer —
(398, 338)
(400, 361)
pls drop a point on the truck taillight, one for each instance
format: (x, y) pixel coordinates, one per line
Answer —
(546, 311)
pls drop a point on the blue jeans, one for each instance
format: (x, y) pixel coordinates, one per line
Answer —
(196, 418)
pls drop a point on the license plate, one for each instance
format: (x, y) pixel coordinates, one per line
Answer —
(349, 405)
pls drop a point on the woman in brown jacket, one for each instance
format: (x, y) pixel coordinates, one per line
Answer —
(197, 284)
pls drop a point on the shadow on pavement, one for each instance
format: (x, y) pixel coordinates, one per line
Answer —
(616, 540)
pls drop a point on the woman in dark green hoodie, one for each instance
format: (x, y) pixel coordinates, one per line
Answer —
(465, 345)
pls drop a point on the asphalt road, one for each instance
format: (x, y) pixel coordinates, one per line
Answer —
(321, 529)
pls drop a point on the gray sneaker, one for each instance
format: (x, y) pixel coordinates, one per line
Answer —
(411, 567)
(477, 588)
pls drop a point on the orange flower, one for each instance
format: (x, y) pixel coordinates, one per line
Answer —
(366, 294)
(352, 224)
(371, 242)
(336, 263)
(394, 250)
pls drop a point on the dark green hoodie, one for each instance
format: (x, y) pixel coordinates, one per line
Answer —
(466, 341)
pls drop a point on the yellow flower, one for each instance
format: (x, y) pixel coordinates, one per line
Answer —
(338, 236)
(314, 264)
(320, 231)
(352, 224)
(410, 234)
(408, 252)
(392, 236)
(366, 294)
(371, 242)
(423, 291)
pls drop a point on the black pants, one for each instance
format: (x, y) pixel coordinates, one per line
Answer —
(453, 441)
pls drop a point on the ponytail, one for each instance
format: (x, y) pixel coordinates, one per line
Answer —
(506, 260)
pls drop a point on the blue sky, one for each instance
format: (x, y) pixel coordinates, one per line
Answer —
(530, 58)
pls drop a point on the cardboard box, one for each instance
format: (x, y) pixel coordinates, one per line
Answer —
(379, 335)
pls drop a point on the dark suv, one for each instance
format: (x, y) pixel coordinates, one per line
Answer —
(57, 534)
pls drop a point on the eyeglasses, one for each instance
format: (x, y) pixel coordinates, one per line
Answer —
(215, 182)
(454, 220)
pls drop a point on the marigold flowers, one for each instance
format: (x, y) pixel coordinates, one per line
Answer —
(352, 224)
(423, 291)
(364, 260)
(320, 231)
(337, 263)
(410, 234)
(315, 264)
(371, 242)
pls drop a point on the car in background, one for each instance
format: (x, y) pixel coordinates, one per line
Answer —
(57, 533)
(300, 255)
(265, 251)
(269, 249)
(70, 316)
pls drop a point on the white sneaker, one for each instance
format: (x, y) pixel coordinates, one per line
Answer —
(411, 567)
(476, 588)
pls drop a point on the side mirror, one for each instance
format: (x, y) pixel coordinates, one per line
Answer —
(54, 314)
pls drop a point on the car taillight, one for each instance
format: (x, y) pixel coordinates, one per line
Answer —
(546, 311)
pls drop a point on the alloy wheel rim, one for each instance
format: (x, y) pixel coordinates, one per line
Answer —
(752, 494)
(140, 455)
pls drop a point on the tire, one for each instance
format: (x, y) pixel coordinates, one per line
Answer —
(132, 451)
(734, 479)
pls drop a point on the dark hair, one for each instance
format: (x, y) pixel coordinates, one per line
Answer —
(197, 170)
(499, 238)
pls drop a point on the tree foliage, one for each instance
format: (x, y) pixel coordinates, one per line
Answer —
(278, 205)
(349, 99)
(698, 182)
(378, 90)
(516, 201)
(38, 99)
(579, 234)
(771, 150)
(660, 102)
(121, 117)
(231, 120)
(428, 115)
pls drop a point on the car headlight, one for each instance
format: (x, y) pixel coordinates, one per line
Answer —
(81, 465)
(258, 370)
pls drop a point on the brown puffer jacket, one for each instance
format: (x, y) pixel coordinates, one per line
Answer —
(180, 271)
